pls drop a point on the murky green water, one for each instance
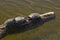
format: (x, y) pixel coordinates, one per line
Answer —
(48, 31)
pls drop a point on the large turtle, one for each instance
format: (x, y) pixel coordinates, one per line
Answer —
(14, 24)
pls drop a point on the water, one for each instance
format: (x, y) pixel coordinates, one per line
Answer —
(17, 6)
(13, 8)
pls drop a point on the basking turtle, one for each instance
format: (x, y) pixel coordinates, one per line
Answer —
(10, 25)
(14, 24)
(20, 22)
(34, 18)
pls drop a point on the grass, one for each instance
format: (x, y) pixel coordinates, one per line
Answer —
(48, 31)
